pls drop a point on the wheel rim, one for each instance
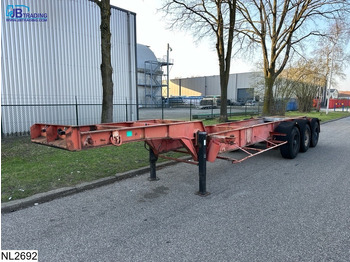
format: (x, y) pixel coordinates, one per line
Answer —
(307, 137)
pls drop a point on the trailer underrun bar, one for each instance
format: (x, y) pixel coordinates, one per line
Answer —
(202, 143)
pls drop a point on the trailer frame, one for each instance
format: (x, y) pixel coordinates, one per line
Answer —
(202, 143)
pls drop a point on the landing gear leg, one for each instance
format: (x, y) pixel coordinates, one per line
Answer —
(202, 164)
(152, 162)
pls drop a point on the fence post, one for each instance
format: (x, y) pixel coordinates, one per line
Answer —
(212, 108)
(126, 109)
(190, 110)
(2, 131)
(162, 108)
(76, 111)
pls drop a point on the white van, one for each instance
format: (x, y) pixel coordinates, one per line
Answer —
(210, 102)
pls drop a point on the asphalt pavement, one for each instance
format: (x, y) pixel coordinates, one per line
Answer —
(264, 209)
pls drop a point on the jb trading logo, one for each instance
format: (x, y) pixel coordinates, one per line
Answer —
(21, 13)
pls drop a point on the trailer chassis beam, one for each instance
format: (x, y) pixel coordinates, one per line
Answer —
(193, 138)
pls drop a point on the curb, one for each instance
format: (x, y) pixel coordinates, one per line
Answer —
(66, 191)
(332, 120)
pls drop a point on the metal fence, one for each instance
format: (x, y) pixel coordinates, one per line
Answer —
(17, 117)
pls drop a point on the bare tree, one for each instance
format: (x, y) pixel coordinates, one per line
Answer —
(331, 53)
(278, 27)
(208, 18)
(106, 65)
(306, 81)
(282, 92)
(307, 78)
(312, 75)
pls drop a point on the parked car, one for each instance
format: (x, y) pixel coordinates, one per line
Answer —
(174, 101)
(238, 103)
(210, 102)
(250, 103)
(193, 100)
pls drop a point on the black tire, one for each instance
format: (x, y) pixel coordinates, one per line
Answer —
(315, 132)
(305, 139)
(305, 135)
(291, 149)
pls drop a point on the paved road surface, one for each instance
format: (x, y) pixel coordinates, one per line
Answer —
(264, 209)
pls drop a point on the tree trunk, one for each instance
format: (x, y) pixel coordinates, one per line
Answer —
(268, 108)
(224, 64)
(223, 86)
(106, 65)
(224, 76)
(218, 16)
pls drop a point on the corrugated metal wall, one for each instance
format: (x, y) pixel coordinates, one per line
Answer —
(58, 61)
(212, 85)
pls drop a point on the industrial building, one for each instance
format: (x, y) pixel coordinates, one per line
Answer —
(241, 86)
(50, 60)
(51, 67)
(150, 74)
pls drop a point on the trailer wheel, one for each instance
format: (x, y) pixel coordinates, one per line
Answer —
(315, 131)
(291, 149)
(305, 136)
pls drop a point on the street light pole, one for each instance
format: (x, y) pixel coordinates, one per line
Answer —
(167, 72)
(330, 81)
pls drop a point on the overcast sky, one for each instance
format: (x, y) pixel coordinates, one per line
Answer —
(190, 58)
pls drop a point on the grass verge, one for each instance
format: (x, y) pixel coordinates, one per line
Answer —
(28, 169)
(321, 115)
